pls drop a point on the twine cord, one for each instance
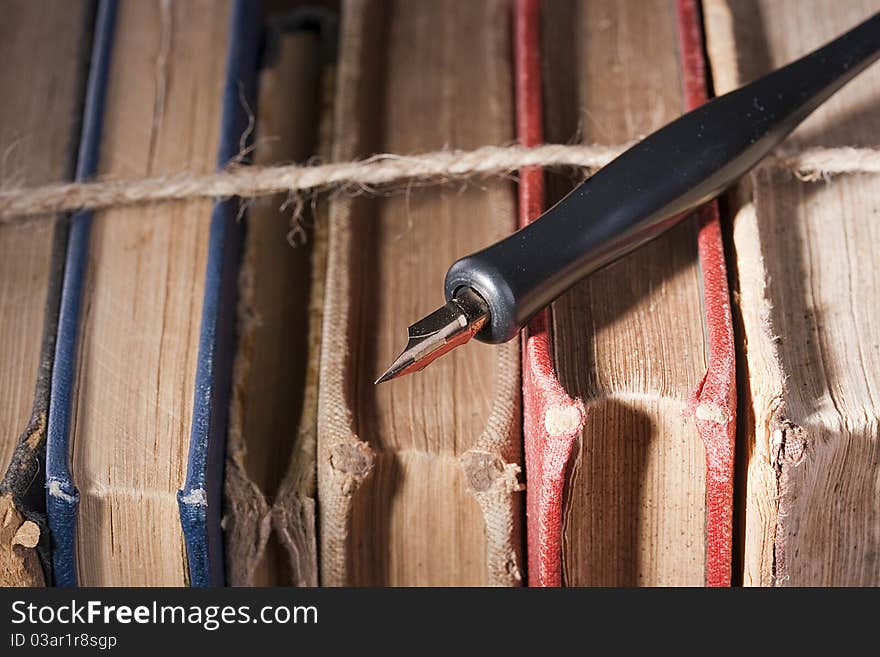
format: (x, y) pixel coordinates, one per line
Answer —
(378, 172)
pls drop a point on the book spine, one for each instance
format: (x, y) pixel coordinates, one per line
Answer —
(26, 475)
(714, 402)
(552, 420)
(807, 507)
(62, 496)
(364, 477)
(201, 497)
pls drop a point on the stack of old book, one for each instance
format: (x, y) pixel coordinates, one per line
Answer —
(186, 387)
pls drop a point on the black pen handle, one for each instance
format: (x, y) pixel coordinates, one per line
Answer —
(652, 185)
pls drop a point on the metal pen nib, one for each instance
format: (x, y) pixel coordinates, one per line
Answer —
(440, 332)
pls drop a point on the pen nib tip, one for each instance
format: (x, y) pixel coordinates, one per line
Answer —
(387, 376)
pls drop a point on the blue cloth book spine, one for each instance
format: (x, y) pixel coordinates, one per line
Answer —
(200, 499)
(62, 497)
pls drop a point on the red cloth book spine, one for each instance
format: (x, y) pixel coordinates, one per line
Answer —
(714, 401)
(552, 419)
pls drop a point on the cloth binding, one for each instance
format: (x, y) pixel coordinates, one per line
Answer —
(713, 404)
